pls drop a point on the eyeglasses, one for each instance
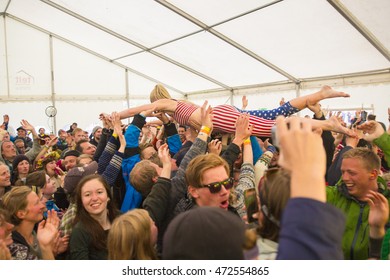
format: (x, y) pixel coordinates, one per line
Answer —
(217, 186)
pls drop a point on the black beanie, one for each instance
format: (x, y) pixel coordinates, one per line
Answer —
(72, 153)
(17, 160)
(205, 233)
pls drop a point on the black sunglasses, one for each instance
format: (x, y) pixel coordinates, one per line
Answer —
(217, 186)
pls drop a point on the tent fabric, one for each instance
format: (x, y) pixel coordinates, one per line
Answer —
(67, 50)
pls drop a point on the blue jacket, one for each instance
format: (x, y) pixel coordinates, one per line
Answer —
(133, 199)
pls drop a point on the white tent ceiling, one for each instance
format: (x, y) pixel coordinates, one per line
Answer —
(118, 49)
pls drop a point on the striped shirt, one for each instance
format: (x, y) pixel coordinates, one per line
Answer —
(183, 112)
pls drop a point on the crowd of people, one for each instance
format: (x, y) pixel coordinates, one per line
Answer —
(200, 182)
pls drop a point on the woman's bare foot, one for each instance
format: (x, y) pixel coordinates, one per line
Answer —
(324, 93)
(329, 92)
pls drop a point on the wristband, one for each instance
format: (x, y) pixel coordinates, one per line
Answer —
(115, 135)
(205, 129)
(247, 141)
(375, 245)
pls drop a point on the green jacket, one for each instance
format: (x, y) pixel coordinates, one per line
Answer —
(383, 142)
(356, 234)
(385, 252)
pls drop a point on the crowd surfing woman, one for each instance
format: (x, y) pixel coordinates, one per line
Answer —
(225, 116)
(96, 211)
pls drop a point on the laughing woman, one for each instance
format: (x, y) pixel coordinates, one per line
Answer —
(96, 211)
(26, 210)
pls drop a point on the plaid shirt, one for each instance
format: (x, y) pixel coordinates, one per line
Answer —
(66, 225)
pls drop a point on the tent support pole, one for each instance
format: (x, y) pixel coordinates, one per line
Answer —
(6, 55)
(127, 89)
(53, 94)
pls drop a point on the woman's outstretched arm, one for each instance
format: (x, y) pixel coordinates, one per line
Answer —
(166, 105)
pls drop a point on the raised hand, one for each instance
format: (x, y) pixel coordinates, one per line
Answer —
(243, 127)
(146, 131)
(371, 130)
(53, 141)
(148, 113)
(162, 117)
(116, 122)
(352, 141)
(379, 213)
(5, 254)
(69, 139)
(103, 116)
(165, 157)
(207, 116)
(215, 147)
(48, 230)
(307, 168)
(267, 144)
(6, 118)
(26, 125)
(61, 244)
(106, 120)
(163, 154)
(244, 102)
(261, 144)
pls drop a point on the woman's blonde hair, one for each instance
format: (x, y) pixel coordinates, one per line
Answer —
(159, 92)
(16, 200)
(130, 237)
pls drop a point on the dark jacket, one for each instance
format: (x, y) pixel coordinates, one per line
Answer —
(310, 230)
(21, 250)
(81, 247)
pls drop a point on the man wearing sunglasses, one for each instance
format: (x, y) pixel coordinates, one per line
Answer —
(208, 181)
(208, 176)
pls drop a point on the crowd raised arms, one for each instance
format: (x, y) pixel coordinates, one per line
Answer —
(317, 189)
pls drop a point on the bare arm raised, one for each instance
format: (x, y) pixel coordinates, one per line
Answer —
(166, 105)
(297, 146)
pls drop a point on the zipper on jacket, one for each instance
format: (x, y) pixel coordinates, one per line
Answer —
(359, 223)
